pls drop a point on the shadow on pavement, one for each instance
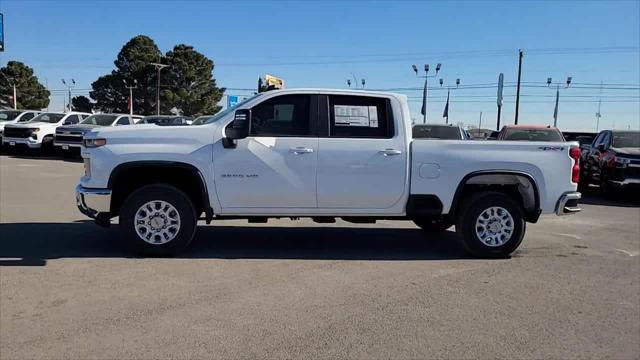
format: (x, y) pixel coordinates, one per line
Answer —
(620, 199)
(32, 244)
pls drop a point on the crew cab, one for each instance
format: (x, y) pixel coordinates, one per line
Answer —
(69, 137)
(39, 131)
(612, 161)
(321, 154)
(14, 116)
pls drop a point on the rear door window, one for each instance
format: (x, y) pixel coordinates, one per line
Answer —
(360, 117)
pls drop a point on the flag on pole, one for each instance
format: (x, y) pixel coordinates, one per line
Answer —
(424, 100)
(555, 110)
(445, 114)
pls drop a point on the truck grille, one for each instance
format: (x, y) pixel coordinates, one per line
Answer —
(69, 138)
(17, 132)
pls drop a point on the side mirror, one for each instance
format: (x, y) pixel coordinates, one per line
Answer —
(238, 128)
(601, 147)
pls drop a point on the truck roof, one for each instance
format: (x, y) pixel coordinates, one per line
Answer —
(334, 91)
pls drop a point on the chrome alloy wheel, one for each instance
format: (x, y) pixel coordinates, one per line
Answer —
(494, 226)
(157, 222)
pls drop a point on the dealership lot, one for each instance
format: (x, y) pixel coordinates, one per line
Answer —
(300, 289)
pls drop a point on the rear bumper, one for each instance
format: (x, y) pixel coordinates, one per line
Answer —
(94, 203)
(568, 203)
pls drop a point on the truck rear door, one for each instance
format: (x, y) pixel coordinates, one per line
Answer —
(362, 157)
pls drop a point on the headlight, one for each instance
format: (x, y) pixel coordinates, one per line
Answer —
(35, 130)
(622, 162)
(87, 167)
(34, 133)
(94, 143)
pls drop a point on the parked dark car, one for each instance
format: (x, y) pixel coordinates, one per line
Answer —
(439, 131)
(166, 120)
(612, 161)
(584, 138)
(530, 133)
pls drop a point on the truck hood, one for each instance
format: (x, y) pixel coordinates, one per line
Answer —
(154, 134)
(628, 151)
(32, 125)
(79, 127)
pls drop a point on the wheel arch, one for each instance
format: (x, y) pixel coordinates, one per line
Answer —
(146, 172)
(525, 184)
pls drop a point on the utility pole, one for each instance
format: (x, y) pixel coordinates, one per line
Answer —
(520, 56)
(135, 85)
(480, 123)
(426, 83)
(158, 67)
(69, 85)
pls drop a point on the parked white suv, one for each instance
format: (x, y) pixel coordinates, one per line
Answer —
(39, 131)
(15, 116)
(322, 154)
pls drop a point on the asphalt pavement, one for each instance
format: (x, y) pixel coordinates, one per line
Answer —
(297, 289)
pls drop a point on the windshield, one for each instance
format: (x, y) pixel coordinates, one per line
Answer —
(436, 132)
(164, 120)
(533, 135)
(48, 117)
(228, 110)
(8, 115)
(201, 120)
(100, 119)
(626, 139)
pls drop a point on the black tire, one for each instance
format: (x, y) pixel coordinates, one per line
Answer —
(432, 226)
(47, 145)
(169, 194)
(471, 211)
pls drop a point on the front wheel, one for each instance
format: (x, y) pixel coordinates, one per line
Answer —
(158, 220)
(492, 225)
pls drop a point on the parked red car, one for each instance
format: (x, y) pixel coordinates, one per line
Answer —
(530, 133)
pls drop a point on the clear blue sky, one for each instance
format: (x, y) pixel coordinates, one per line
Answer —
(322, 43)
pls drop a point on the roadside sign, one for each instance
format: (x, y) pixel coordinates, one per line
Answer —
(232, 100)
(1, 32)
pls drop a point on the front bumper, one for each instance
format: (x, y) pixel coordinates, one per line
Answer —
(95, 203)
(625, 183)
(67, 145)
(31, 143)
(568, 203)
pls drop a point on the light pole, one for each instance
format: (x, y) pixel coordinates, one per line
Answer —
(13, 84)
(158, 67)
(426, 83)
(555, 109)
(135, 85)
(447, 107)
(69, 85)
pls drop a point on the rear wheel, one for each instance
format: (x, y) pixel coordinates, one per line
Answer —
(158, 220)
(492, 225)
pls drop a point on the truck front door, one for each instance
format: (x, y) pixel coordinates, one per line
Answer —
(275, 167)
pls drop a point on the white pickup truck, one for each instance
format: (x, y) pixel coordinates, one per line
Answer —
(322, 154)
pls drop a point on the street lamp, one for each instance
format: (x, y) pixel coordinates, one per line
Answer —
(69, 85)
(447, 107)
(158, 67)
(426, 83)
(135, 85)
(555, 109)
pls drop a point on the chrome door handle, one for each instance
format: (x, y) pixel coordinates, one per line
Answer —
(300, 150)
(390, 152)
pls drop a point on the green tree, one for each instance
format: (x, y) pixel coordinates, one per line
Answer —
(132, 63)
(30, 93)
(190, 86)
(81, 103)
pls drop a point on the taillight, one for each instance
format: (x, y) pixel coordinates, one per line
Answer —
(574, 153)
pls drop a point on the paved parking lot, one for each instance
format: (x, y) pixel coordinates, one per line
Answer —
(297, 289)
